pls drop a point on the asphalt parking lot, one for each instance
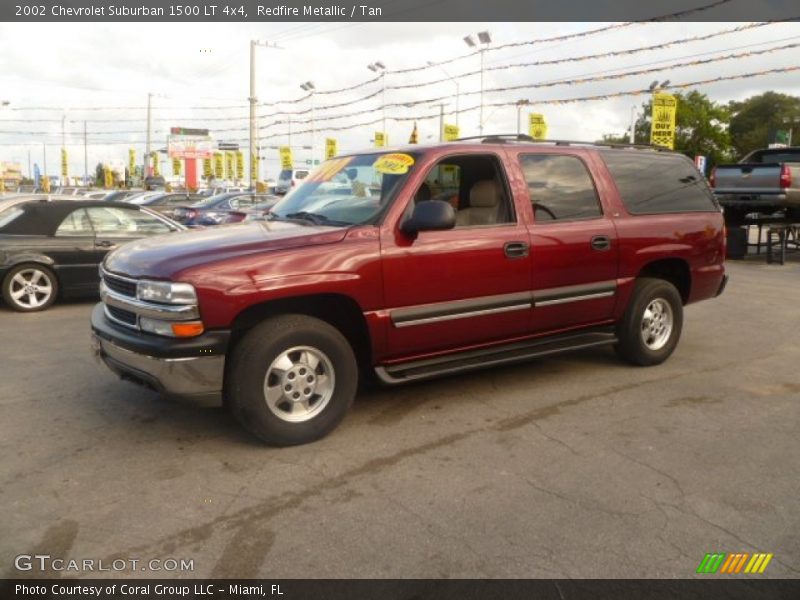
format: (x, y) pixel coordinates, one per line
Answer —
(576, 466)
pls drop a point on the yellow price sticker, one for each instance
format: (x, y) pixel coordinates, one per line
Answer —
(393, 164)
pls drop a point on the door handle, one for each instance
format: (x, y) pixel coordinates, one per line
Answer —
(601, 242)
(104, 244)
(515, 249)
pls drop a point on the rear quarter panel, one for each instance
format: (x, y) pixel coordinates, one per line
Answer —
(698, 238)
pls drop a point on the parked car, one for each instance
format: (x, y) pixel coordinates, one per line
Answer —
(260, 211)
(536, 248)
(765, 181)
(165, 202)
(52, 248)
(154, 182)
(289, 179)
(216, 210)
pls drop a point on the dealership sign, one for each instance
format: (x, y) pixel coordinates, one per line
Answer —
(189, 143)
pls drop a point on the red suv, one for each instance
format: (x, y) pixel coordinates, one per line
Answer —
(413, 263)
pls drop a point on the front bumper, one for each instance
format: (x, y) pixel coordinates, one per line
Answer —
(189, 367)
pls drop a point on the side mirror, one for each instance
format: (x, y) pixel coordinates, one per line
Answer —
(430, 215)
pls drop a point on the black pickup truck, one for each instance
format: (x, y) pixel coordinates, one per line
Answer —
(765, 181)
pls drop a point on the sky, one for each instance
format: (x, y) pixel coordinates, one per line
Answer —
(82, 71)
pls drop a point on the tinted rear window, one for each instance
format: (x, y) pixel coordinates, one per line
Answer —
(655, 183)
(285, 174)
(773, 156)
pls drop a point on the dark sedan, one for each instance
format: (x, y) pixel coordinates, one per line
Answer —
(52, 248)
(167, 202)
(230, 207)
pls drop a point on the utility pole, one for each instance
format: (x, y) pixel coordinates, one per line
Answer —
(85, 157)
(520, 103)
(30, 173)
(44, 152)
(375, 67)
(309, 86)
(146, 158)
(631, 137)
(253, 99)
(63, 145)
(484, 38)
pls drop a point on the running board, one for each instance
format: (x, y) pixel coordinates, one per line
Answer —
(415, 370)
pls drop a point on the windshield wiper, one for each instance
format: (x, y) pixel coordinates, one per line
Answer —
(315, 218)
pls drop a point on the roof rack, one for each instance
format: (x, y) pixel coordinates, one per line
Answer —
(503, 138)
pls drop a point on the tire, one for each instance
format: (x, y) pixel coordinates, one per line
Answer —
(30, 287)
(292, 380)
(642, 340)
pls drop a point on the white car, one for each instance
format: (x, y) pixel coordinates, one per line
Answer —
(288, 179)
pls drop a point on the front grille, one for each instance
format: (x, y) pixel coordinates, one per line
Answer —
(119, 285)
(125, 316)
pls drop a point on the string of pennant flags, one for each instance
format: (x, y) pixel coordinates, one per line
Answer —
(560, 101)
(429, 65)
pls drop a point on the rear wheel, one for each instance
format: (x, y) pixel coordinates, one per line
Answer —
(292, 380)
(29, 288)
(652, 324)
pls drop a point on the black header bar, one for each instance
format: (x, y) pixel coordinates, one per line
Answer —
(444, 11)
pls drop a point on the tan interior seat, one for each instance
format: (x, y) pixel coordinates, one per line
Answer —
(484, 205)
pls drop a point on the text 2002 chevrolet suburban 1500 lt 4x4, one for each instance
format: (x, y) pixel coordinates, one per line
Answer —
(413, 263)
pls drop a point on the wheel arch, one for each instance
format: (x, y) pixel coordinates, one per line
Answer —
(339, 310)
(674, 270)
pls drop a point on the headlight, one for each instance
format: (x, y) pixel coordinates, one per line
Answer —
(166, 292)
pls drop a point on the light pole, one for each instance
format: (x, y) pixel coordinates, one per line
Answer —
(441, 106)
(790, 121)
(376, 67)
(484, 38)
(454, 81)
(520, 103)
(631, 136)
(308, 86)
(146, 157)
(253, 99)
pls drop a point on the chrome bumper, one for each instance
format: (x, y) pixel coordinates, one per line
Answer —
(192, 376)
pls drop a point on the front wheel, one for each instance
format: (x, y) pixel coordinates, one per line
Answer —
(652, 324)
(292, 380)
(31, 287)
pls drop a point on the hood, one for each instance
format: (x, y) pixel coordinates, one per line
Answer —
(163, 256)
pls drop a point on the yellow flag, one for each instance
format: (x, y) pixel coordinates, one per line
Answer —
(537, 126)
(131, 161)
(414, 138)
(176, 166)
(219, 166)
(331, 149)
(156, 165)
(662, 131)
(450, 132)
(239, 164)
(286, 157)
(381, 139)
(64, 163)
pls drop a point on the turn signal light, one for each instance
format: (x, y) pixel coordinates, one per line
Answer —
(190, 329)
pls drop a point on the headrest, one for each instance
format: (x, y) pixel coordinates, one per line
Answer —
(484, 194)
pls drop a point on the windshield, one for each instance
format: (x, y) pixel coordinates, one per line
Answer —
(347, 190)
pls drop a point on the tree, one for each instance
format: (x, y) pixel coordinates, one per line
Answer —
(99, 175)
(753, 120)
(700, 127)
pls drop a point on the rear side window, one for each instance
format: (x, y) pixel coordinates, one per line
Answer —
(560, 187)
(285, 174)
(657, 183)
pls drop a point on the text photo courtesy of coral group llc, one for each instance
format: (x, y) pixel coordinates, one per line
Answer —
(406, 299)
